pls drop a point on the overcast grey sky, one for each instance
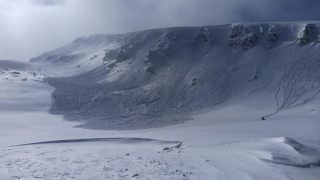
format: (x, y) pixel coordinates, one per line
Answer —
(31, 27)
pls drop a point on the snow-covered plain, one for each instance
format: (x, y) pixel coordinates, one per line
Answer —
(226, 138)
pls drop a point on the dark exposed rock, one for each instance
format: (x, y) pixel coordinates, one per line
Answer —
(242, 37)
(135, 175)
(235, 32)
(307, 35)
(249, 41)
(204, 36)
(303, 41)
(273, 36)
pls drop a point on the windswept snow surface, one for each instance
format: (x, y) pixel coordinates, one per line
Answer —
(147, 84)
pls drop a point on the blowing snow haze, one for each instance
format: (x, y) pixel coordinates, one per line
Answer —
(31, 27)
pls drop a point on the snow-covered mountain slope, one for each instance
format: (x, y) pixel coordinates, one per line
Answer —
(160, 77)
(225, 144)
(139, 79)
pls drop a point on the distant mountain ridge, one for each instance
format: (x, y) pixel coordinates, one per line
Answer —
(13, 64)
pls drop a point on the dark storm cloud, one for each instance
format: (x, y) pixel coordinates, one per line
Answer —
(279, 10)
(48, 2)
(31, 27)
(300, 10)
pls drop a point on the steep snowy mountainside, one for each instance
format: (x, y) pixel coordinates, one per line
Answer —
(156, 77)
(74, 58)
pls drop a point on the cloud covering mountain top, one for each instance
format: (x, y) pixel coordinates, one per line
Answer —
(32, 27)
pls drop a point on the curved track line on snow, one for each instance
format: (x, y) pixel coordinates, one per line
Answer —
(117, 140)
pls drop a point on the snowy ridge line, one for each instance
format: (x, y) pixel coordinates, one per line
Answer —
(310, 156)
(288, 162)
(118, 140)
